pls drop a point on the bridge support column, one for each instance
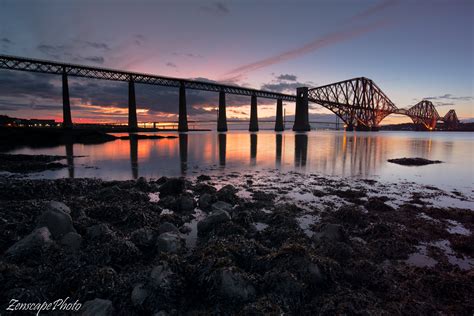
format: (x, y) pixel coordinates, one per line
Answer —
(301, 111)
(67, 120)
(132, 107)
(183, 116)
(253, 115)
(279, 125)
(222, 118)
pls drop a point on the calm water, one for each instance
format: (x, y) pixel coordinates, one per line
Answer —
(336, 153)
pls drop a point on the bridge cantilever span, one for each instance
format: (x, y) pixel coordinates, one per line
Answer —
(66, 69)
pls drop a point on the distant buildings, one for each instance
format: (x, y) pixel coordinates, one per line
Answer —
(7, 121)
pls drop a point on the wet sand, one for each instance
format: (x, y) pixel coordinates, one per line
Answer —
(241, 243)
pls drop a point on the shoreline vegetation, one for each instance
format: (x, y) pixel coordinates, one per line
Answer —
(241, 243)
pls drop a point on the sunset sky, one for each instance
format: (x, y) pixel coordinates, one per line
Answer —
(411, 49)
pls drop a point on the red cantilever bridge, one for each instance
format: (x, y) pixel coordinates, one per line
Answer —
(359, 102)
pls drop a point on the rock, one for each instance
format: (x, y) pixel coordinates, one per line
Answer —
(203, 177)
(185, 204)
(201, 188)
(139, 294)
(205, 201)
(173, 186)
(378, 205)
(221, 206)
(332, 232)
(31, 244)
(58, 206)
(413, 161)
(215, 218)
(160, 276)
(72, 241)
(58, 222)
(143, 237)
(169, 243)
(233, 286)
(227, 194)
(167, 227)
(97, 307)
(168, 202)
(98, 231)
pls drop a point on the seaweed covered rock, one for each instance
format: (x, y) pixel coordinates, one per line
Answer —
(31, 244)
(234, 285)
(97, 307)
(58, 222)
(169, 243)
(215, 218)
(173, 186)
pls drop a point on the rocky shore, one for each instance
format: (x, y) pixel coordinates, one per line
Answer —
(236, 245)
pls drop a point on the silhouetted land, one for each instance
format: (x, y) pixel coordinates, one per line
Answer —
(463, 127)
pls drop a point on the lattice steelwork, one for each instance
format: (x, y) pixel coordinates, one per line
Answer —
(43, 66)
(424, 113)
(357, 101)
(451, 120)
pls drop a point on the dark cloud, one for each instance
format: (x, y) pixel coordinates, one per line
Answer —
(172, 65)
(23, 90)
(216, 8)
(449, 96)
(444, 103)
(98, 45)
(286, 77)
(66, 52)
(6, 40)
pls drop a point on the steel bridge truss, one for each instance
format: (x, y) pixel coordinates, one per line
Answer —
(357, 101)
(49, 67)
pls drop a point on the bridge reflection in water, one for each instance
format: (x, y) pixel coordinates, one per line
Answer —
(333, 153)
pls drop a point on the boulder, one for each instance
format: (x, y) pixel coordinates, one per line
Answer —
(185, 204)
(232, 285)
(139, 294)
(72, 241)
(98, 231)
(221, 206)
(173, 186)
(58, 222)
(97, 307)
(214, 219)
(31, 244)
(169, 243)
(205, 201)
(331, 232)
(167, 227)
(227, 194)
(203, 177)
(160, 276)
(58, 206)
(143, 237)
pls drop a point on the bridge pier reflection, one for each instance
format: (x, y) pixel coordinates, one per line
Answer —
(278, 149)
(301, 149)
(253, 149)
(183, 152)
(279, 124)
(253, 114)
(132, 106)
(182, 115)
(134, 156)
(67, 118)
(70, 159)
(222, 141)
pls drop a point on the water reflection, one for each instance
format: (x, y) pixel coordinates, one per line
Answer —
(222, 137)
(334, 153)
(301, 150)
(253, 149)
(134, 156)
(278, 148)
(70, 159)
(183, 152)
